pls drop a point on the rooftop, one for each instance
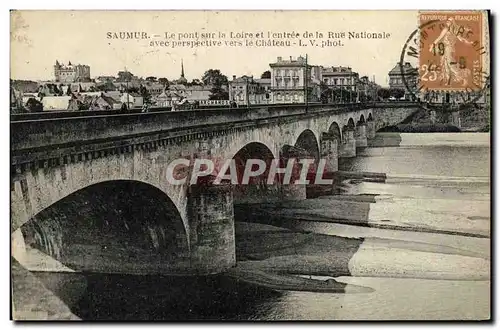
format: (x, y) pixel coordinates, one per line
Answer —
(263, 81)
(299, 61)
(407, 68)
(339, 70)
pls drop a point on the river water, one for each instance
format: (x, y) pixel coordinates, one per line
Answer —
(433, 180)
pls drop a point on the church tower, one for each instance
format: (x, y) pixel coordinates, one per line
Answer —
(182, 80)
(57, 71)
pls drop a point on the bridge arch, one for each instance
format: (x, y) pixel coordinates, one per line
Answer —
(361, 119)
(250, 191)
(114, 226)
(307, 140)
(334, 129)
(370, 117)
(350, 123)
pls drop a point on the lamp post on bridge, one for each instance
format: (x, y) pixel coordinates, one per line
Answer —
(306, 80)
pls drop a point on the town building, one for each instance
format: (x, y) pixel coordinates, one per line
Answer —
(341, 77)
(367, 89)
(246, 90)
(404, 77)
(51, 103)
(154, 88)
(132, 100)
(178, 92)
(71, 73)
(265, 88)
(105, 102)
(289, 80)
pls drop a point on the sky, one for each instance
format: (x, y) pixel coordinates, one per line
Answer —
(39, 38)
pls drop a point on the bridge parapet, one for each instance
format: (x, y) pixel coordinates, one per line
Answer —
(32, 133)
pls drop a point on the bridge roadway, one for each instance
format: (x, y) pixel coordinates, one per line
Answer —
(71, 171)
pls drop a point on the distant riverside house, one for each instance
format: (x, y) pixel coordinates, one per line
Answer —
(168, 98)
(154, 88)
(93, 102)
(132, 100)
(198, 93)
(51, 103)
(178, 92)
(79, 103)
(104, 102)
(114, 94)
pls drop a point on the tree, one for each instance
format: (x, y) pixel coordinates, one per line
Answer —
(146, 95)
(125, 76)
(325, 92)
(363, 97)
(384, 93)
(214, 77)
(196, 82)
(217, 80)
(164, 82)
(344, 95)
(218, 93)
(397, 92)
(266, 75)
(133, 89)
(33, 105)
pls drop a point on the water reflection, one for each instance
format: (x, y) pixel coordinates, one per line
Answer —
(118, 297)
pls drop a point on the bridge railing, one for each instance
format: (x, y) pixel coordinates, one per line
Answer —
(87, 113)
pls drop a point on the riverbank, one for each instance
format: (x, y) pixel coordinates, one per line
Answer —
(31, 300)
(422, 128)
(273, 257)
(472, 119)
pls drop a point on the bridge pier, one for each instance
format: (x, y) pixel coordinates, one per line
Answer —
(360, 135)
(370, 130)
(329, 151)
(455, 119)
(211, 222)
(290, 190)
(433, 116)
(348, 146)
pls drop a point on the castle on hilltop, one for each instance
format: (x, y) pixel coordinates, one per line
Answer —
(71, 73)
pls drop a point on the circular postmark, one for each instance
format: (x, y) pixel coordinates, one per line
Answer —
(449, 57)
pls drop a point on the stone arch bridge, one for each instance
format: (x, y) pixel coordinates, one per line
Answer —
(69, 172)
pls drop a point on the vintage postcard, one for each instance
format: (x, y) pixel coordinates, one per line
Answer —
(250, 165)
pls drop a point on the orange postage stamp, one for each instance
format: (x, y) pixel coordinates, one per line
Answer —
(451, 50)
